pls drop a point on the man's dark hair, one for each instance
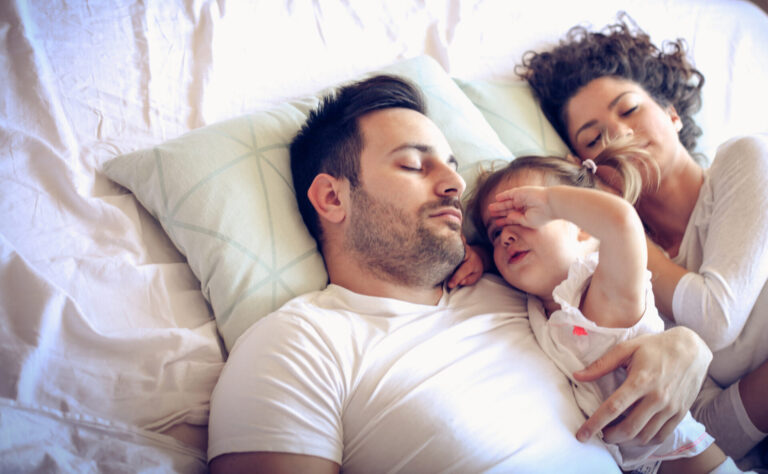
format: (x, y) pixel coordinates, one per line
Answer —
(620, 50)
(330, 140)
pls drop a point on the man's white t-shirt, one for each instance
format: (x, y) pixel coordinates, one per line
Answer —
(383, 385)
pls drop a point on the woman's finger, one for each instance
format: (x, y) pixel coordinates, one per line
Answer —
(617, 356)
(667, 429)
(634, 422)
(608, 411)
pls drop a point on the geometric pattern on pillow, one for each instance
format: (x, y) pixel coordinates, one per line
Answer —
(223, 194)
(511, 110)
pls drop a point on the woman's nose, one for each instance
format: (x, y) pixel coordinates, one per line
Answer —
(622, 130)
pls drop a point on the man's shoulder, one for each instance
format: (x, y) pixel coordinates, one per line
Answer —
(492, 294)
(295, 313)
(493, 283)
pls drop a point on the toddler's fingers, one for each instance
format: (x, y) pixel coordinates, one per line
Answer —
(457, 277)
(502, 205)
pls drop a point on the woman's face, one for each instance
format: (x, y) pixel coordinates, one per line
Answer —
(610, 107)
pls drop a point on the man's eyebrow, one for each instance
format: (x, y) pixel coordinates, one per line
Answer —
(591, 123)
(427, 150)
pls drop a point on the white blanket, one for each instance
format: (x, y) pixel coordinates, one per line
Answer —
(105, 337)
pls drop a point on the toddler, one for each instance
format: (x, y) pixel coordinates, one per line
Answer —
(580, 254)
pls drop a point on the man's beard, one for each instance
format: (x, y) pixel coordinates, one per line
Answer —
(398, 247)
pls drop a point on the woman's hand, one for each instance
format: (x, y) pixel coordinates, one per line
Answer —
(664, 374)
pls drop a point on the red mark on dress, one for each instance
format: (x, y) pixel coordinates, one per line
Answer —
(579, 331)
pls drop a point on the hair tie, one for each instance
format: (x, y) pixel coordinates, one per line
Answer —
(590, 165)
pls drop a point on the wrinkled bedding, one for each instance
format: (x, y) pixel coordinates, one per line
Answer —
(108, 348)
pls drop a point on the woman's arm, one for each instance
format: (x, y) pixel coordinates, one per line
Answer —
(717, 298)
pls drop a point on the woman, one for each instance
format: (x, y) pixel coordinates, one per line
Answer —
(708, 227)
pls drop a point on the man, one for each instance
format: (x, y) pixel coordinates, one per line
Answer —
(388, 370)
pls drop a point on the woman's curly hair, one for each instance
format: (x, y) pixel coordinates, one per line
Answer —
(622, 51)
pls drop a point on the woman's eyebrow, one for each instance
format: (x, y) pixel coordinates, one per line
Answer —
(587, 125)
(592, 123)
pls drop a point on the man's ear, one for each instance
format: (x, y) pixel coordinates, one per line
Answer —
(327, 195)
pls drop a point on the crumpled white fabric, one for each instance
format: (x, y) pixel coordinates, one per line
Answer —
(51, 355)
(49, 440)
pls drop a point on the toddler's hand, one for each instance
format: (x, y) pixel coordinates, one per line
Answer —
(527, 206)
(471, 268)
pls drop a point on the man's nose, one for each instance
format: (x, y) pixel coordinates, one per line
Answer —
(451, 183)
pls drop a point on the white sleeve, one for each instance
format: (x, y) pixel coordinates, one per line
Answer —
(279, 391)
(717, 300)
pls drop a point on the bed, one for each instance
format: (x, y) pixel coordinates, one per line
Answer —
(145, 206)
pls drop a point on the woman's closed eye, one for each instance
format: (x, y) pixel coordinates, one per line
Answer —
(629, 111)
(595, 141)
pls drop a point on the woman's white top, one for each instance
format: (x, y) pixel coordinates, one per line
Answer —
(724, 297)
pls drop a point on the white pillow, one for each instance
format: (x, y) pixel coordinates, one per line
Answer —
(515, 115)
(223, 193)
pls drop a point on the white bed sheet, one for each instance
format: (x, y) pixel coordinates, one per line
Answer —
(100, 317)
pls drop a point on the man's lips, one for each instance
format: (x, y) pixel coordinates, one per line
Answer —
(451, 213)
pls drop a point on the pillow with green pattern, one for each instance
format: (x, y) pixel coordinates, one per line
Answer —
(510, 108)
(223, 194)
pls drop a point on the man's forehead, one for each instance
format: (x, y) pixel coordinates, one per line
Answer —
(395, 128)
(393, 117)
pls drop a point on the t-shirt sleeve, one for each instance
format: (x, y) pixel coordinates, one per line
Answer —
(717, 300)
(279, 391)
